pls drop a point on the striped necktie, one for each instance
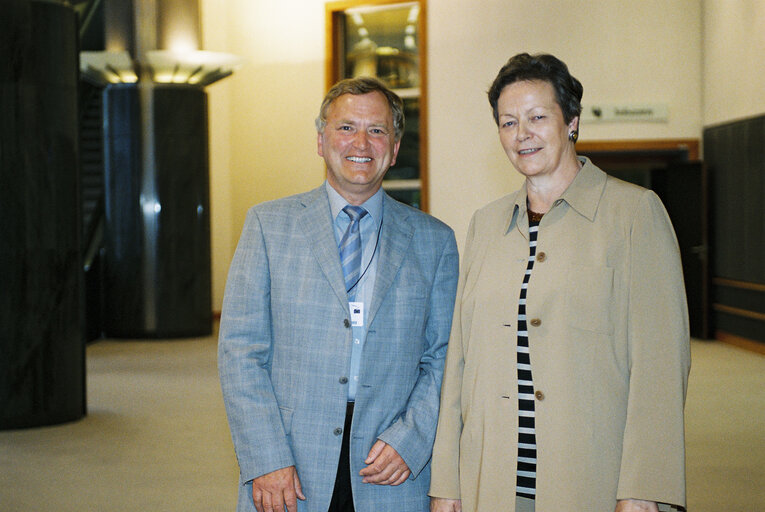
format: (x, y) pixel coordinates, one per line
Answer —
(350, 247)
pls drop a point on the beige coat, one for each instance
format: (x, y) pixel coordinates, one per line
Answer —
(610, 357)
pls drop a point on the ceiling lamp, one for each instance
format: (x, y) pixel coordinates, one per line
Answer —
(197, 68)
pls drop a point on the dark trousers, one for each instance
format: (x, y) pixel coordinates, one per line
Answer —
(342, 496)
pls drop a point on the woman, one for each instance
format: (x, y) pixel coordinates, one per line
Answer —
(568, 361)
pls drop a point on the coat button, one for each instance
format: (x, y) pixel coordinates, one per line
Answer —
(337, 431)
(536, 322)
(346, 323)
(343, 380)
(539, 395)
(541, 257)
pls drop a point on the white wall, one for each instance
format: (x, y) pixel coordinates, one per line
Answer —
(734, 59)
(262, 136)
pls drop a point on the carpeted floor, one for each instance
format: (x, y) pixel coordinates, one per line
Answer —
(156, 437)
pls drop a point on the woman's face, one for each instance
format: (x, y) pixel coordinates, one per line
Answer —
(532, 129)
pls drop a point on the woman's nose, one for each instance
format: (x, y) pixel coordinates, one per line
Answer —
(522, 132)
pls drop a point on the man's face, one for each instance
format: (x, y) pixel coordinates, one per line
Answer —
(358, 144)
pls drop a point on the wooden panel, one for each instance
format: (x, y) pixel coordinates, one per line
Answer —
(738, 341)
(735, 156)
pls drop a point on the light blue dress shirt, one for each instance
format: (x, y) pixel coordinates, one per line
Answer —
(370, 229)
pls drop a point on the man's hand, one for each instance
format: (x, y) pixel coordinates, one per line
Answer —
(273, 491)
(445, 505)
(384, 466)
(636, 506)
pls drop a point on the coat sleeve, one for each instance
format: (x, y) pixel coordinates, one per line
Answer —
(412, 435)
(653, 454)
(445, 475)
(245, 349)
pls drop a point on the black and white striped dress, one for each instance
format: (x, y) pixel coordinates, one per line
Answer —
(527, 445)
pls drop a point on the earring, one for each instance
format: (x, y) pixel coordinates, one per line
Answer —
(573, 135)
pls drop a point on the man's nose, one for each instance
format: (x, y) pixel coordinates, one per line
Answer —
(361, 139)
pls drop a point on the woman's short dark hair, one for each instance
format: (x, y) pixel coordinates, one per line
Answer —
(363, 85)
(542, 66)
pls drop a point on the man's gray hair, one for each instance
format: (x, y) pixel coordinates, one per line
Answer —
(363, 85)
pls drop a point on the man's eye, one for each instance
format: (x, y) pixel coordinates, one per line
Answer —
(508, 123)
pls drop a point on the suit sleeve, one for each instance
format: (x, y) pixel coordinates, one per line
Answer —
(412, 435)
(244, 359)
(653, 455)
(445, 474)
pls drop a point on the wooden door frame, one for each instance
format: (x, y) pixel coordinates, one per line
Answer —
(691, 146)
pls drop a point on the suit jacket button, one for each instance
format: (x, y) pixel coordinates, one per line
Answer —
(541, 256)
(346, 323)
(337, 431)
(539, 395)
(343, 380)
(536, 322)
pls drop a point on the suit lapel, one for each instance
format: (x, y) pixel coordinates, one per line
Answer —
(395, 238)
(316, 223)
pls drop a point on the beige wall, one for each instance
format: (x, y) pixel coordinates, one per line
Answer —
(734, 59)
(647, 51)
(262, 135)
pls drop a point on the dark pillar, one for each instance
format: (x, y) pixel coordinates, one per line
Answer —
(42, 351)
(157, 237)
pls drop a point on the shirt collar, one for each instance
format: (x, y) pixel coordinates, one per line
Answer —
(373, 205)
(582, 195)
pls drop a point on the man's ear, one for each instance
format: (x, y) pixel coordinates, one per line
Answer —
(395, 153)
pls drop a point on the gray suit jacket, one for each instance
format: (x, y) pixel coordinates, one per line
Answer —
(285, 346)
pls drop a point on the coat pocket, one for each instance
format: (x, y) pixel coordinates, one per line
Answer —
(590, 298)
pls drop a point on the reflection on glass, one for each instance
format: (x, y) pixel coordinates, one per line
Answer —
(407, 196)
(382, 41)
(408, 160)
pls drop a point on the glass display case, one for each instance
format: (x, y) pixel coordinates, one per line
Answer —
(384, 38)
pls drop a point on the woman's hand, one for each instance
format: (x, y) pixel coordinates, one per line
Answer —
(445, 505)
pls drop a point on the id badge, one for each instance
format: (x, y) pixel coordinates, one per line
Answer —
(357, 313)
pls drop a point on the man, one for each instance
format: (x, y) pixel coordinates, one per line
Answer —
(331, 372)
